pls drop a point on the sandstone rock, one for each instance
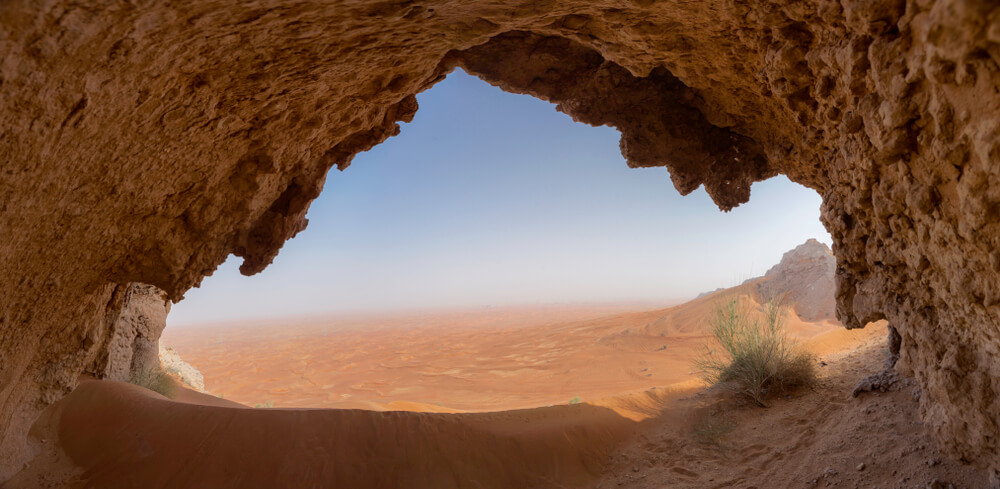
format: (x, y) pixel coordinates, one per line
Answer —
(936, 484)
(804, 279)
(133, 349)
(145, 144)
(171, 363)
(133, 341)
(880, 382)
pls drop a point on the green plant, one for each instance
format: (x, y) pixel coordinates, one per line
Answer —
(154, 379)
(575, 400)
(268, 404)
(752, 354)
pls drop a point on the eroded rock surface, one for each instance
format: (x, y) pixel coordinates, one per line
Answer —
(134, 351)
(133, 342)
(804, 279)
(146, 143)
(173, 365)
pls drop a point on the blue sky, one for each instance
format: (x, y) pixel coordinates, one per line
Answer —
(490, 198)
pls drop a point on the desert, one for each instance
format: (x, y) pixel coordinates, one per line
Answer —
(544, 396)
(485, 359)
(144, 145)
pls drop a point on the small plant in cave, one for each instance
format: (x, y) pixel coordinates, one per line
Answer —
(154, 379)
(754, 355)
(268, 404)
(575, 400)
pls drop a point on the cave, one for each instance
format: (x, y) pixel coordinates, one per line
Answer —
(145, 143)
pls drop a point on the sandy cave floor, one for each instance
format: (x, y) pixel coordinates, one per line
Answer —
(815, 438)
(108, 435)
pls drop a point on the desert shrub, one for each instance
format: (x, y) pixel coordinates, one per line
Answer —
(266, 405)
(753, 354)
(575, 400)
(154, 379)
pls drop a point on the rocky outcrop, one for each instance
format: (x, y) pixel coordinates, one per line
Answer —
(804, 279)
(133, 350)
(801, 283)
(133, 342)
(145, 144)
(174, 366)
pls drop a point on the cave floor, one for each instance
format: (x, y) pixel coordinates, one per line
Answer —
(815, 438)
(109, 434)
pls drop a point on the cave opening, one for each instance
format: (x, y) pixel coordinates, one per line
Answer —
(488, 213)
(140, 144)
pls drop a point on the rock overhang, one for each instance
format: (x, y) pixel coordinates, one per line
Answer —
(147, 144)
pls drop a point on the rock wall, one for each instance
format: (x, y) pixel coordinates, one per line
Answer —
(133, 351)
(133, 341)
(144, 143)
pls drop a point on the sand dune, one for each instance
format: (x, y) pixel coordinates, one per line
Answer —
(501, 359)
(121, 435)
(498, 359)
(497, 398)
(114, 435)
(490, 359)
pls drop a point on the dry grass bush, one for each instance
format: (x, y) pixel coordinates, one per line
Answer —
(154, 379)
(754, 355)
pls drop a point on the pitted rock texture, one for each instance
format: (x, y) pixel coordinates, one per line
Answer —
(134, 349)
(146, 143)
(133, 346)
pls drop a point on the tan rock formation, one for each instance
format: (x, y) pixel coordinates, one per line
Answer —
(804, 279)
(174, 366)
(146, 143)
(133, 349)
(803, 282)
(133, 342)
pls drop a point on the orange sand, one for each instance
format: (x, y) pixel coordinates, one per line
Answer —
(486, 360)
(114, 435)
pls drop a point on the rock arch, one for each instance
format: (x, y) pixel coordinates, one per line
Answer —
(145, 142)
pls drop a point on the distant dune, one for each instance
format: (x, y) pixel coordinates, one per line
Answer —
(490, 360)
(493, 358)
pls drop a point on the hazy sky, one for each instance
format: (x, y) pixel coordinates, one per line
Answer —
(489, 198)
